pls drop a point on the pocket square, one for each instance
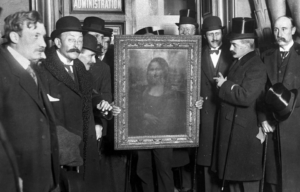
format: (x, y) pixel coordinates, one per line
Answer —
(52, 99)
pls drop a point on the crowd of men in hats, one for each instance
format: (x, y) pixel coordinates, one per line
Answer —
(56, 109)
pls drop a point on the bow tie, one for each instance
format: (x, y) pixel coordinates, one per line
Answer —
(214, 51)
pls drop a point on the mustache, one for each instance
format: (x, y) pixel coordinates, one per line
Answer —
(73, 50)
(41, 50)
(281, 39)
(215, 41)
(232, 52)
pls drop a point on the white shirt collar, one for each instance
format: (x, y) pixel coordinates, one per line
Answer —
(287, 47)
(24, 62)
(63, 59)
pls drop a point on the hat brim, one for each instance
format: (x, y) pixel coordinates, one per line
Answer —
(196, 24)
(212, 28)
(234, 36)
(94, 50)
(57, 32)
(286, 116)
(104, 32)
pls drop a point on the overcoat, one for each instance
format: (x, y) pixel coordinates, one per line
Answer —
(240, 94)
(8, 165)
(289, 129)
(74, 109)
(209, 111)
(27, 117)
(102, 85)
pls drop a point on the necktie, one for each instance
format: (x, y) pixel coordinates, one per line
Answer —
(214, 51)
(284, 54)
(69, 70)
(32, 73)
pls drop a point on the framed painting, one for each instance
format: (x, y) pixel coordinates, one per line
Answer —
(157, 83)
(99, 6)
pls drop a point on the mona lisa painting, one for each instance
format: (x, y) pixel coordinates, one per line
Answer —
(157, 81)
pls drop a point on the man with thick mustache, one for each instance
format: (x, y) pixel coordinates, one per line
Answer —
(70, 86)
(25, 110)
(237, 155)
(216, 58)
(282, 62)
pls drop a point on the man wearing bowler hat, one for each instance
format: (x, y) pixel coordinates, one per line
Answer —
(187, 22)
(238, 154)
(70, 87)
(216, 58)
(282, 63)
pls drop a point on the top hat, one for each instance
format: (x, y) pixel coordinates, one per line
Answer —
(94, 24)
(187, 16)
(159, 32)
(144, 31)
(212, 23)
(109, 32)
(281, 101)
(242, 28)
(64, 24)
(90, 43)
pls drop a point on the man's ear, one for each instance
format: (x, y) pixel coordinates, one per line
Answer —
(293, 30)
(57, 42)
(14, 37)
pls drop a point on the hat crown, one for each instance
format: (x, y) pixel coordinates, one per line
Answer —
(90, 42)
(68, 22)
(187, 13)
(243, 25)
(278, 97)
(144, 31)
(93, 23)
(212, 23)
(158, 32)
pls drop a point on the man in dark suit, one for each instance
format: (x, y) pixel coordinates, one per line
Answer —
(9, 172)
(282, 63)
(238, 151)
(25, 111)
(216, 58)
(70, 85)
(100, 71)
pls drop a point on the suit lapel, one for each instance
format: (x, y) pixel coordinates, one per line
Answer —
(25, 80)
(272, 66)
(56, 68)
(205, 66)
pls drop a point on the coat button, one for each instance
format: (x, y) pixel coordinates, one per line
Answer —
(43, 137)
(41, 119)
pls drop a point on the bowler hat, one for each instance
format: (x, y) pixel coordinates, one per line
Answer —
(64, 24)
(159, 32)
(187, 16)
(109, 32)
(242, 28)
(281, 101)
(94, 24)
(144, 31)
(212, 23)
(90, 43)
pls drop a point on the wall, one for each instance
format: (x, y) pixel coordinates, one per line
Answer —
(12, 6)
(151, 13)
(242, 8)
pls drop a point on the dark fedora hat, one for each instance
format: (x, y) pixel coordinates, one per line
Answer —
(94, 24)
(281, 101)
(109, 32)
(187, 16)
(64, 24)
(90, 43)
(159, 32)
(144, 31)
(242, 28)
(212, 23)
